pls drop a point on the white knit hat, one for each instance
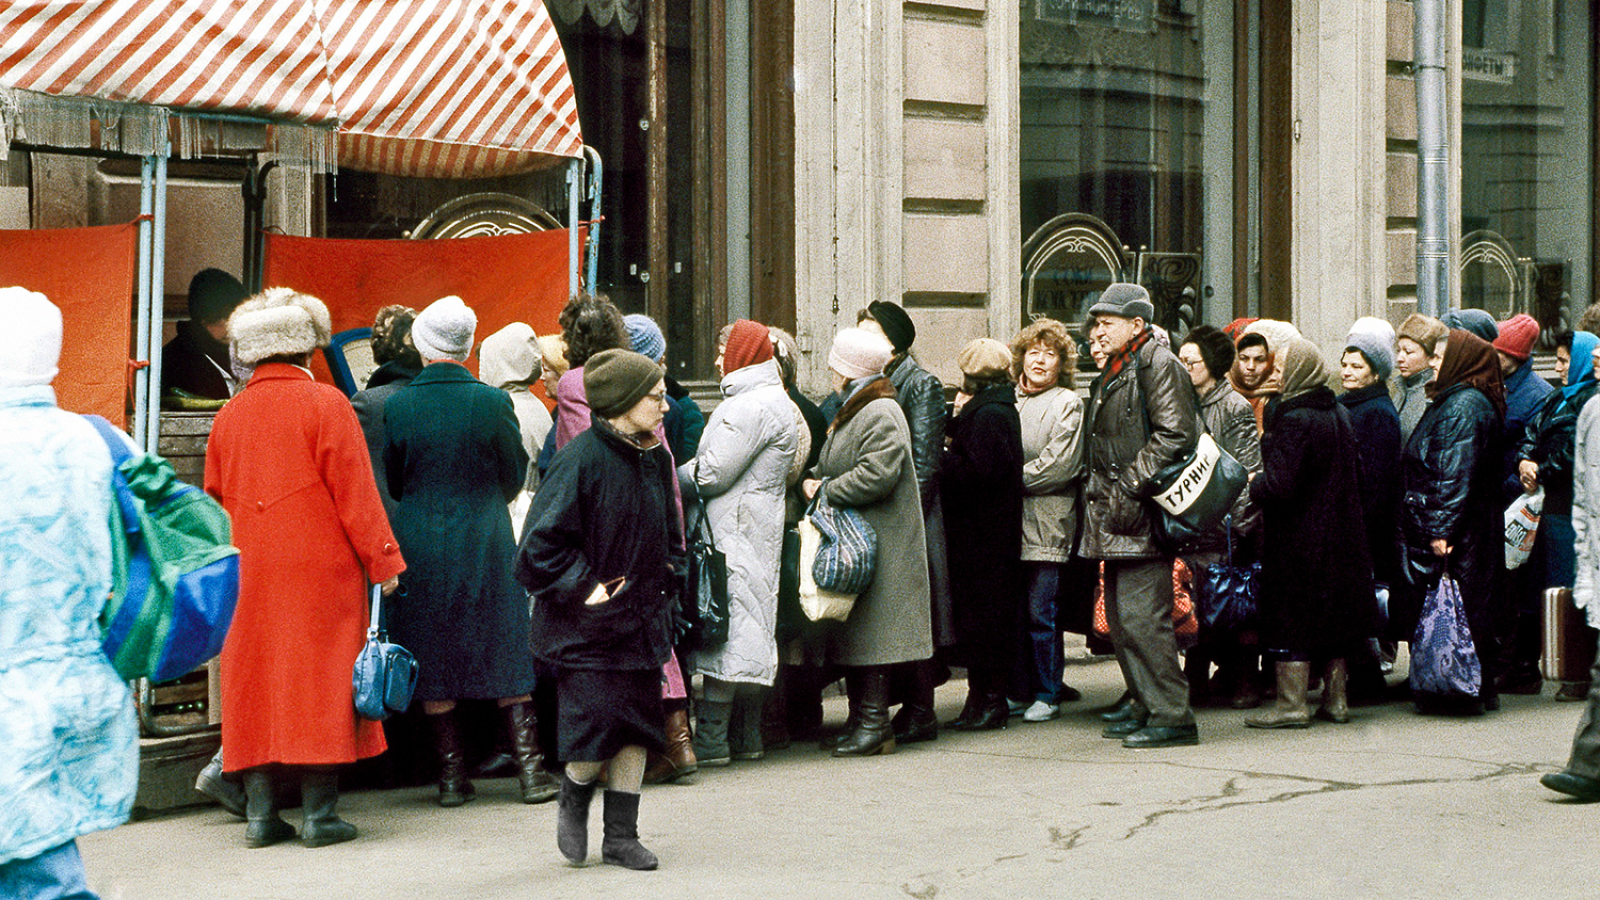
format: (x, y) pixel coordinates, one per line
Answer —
(32, 348)
(444, 330)
(278, 322)
(858, 353)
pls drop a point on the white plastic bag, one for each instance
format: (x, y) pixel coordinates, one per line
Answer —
(818, 603)
(1522, 526)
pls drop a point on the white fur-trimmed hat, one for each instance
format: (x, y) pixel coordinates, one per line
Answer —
(278, 322)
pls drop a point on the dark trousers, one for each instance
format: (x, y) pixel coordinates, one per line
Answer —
(1139, 611)
(1585, 759)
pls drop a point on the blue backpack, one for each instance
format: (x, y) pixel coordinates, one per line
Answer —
(175, 578)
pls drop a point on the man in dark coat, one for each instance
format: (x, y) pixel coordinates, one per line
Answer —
(1142, 418)
(454, 458)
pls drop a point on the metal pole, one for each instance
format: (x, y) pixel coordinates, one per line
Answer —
(158, 302)
(574, 196)
(141, 336)
(1433, 159)
(591, 256)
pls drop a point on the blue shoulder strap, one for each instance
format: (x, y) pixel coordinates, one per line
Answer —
(140, 568)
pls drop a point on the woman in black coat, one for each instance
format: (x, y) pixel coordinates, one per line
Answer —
(1364, 373)
(453, 458)
(600, 555)
(1316, 576)
(1450, 517)
(980, 481)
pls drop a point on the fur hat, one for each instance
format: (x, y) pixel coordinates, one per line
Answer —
(30, 356)
(444, 330)
(615, 380)
(1425, 331)
(510, 357)
(1517, 336)
(645, 336)
(896, 324)
(278, 322)
(857, 353)
(1130, 301)
(748, 343)
(1378, 352)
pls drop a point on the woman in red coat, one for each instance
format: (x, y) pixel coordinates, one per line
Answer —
(288, 461)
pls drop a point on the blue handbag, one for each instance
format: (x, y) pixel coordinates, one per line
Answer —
(1444, 660)
(385, 673)
(848, 554)
(1227, 593)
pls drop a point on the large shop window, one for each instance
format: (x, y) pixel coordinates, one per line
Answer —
(1127, 155)
(1527, 152)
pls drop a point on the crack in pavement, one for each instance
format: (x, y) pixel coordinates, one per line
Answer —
(1231, 789)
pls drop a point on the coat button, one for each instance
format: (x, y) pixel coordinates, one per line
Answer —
(261, 504)
(388, 547)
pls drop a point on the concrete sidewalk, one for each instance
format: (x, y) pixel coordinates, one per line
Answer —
(1392, 805)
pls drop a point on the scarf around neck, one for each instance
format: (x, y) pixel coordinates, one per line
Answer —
(1119, 357)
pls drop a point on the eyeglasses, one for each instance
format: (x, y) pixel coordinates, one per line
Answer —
(1191, 363)
(658, 397)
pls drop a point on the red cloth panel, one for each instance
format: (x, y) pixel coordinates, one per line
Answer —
(88, 273)
(505, 279)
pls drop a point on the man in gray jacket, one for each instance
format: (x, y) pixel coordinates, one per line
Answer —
(1141, 418)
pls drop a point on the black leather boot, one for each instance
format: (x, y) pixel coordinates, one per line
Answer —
(538, 786)
(572, 819)
(454, 788)
(263, 826)
(916, 722)
(319, 792)
(621, 846)
(873, 735)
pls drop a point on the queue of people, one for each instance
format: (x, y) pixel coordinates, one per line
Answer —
(541, 562)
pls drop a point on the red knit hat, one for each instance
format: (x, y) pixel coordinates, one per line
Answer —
(1517, 336)
(748, 343)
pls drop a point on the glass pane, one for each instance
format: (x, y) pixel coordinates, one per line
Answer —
(1526, 152)
(1125, 108)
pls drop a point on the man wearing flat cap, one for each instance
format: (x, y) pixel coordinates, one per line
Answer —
(1141, 418)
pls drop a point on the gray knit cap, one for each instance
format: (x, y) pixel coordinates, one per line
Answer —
(444, 330)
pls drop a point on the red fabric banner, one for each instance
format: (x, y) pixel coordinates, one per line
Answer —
(505, 279)
(88, 273)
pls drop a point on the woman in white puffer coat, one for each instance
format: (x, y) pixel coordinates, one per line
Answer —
(745, 463)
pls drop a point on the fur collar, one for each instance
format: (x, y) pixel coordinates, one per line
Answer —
(879, 388)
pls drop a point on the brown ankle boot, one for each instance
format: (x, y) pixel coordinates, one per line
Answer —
(1335, 698)
(679, 760)
(1289, 710)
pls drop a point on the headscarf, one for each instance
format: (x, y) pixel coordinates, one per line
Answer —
(1303, 367)
(1582, 366)
(1471, 360)
(1236, 373)
(1474, 321)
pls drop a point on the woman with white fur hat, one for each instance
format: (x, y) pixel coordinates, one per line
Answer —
(455, 458)
(288, 461)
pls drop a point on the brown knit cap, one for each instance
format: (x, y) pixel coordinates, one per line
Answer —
(615, 380)
(1426, 331)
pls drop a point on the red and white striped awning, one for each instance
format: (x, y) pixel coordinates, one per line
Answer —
(439, 88)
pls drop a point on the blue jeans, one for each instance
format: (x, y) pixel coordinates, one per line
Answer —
(1044, 640)
(52, 875)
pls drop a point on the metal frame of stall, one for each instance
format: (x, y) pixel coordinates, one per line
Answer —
(583, 177)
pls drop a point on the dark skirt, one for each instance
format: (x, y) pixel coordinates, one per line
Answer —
(600, 712)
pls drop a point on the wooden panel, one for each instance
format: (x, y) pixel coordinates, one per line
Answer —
(772, 176)
(1277, 150)
(945, 62)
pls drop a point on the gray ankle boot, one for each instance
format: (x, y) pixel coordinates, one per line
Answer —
(319, 792)
(711, 733)
(263, 826)
(572, 818)
(621, 846)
